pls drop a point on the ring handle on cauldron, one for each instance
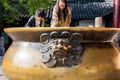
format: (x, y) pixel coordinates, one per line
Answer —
(77, 37)
(65, 62)
(54, 34)
(44, 38)
(66, 35)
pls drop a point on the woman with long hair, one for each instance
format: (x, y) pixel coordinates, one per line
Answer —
(61, 16)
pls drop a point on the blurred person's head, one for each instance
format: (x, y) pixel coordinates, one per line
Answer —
(62, 6)
(40, 14)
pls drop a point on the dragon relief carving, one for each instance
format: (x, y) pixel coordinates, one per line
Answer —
(61, 48)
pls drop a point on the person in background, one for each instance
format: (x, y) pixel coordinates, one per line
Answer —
(61, 16)
(37, 20)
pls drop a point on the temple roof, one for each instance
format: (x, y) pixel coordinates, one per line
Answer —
(84, 9)
(20, 12)
(90, 10)
(20, 16)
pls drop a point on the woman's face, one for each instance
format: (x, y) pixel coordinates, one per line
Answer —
(61, 5)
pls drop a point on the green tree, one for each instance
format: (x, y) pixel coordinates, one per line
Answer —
(8, 11)
(33, 5)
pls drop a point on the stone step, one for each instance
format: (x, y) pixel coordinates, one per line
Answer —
(2, 49)
(1, 41)
(2, 76)
(1, 57)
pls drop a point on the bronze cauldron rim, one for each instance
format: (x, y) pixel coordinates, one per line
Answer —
(16, 32)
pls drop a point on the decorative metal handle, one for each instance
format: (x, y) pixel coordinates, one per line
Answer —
(44, 38)
(66, 35)
(77, 38)
(54, 34)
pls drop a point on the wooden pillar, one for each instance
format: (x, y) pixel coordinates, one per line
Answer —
(98, 22)
(116, 14)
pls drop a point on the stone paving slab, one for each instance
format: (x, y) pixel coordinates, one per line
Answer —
(2, 77)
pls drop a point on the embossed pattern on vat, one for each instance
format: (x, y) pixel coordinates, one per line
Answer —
(99, 61)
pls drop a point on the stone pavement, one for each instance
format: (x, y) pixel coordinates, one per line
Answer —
(2, 77)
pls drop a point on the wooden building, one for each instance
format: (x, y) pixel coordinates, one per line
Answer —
(89, 12)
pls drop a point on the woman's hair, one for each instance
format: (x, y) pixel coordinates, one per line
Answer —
(65, 10)
(40, 13)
